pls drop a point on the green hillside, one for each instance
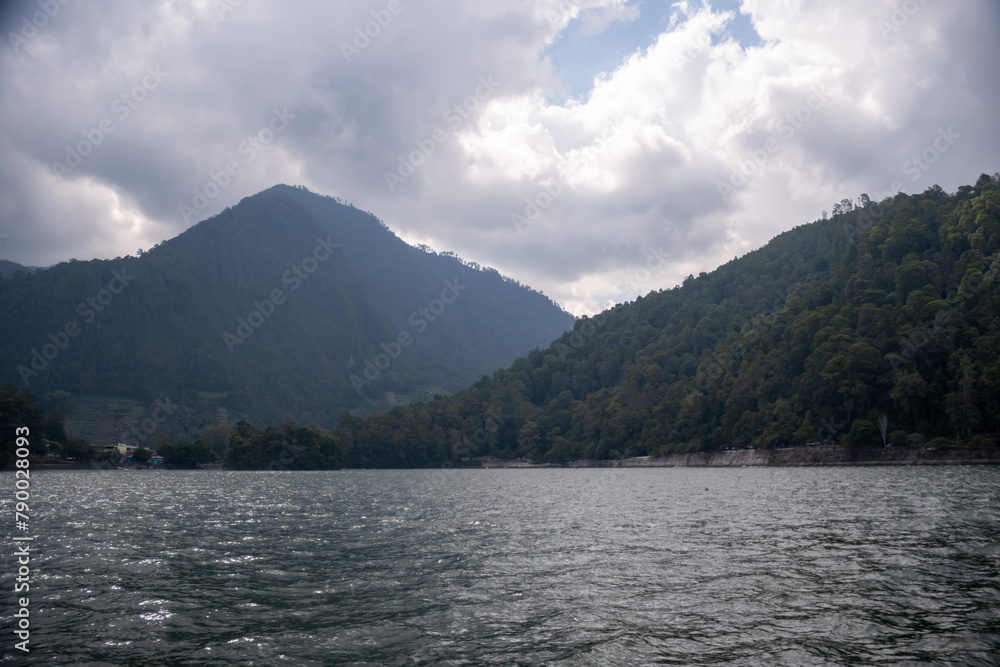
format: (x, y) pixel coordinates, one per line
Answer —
(887, 308)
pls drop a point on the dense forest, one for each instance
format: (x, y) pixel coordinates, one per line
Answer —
(289, 305)
(46, 433)
(880, 323)
(886, 310)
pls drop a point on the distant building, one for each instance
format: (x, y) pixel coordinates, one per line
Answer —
(223, 416)
(390, 398)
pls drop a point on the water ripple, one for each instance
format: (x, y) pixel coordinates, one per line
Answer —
(496, 567)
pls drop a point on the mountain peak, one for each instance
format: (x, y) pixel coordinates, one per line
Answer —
(281, 306)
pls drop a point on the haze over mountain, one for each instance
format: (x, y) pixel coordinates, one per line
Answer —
(288, 305)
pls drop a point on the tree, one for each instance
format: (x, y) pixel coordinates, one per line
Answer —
(78, 449)
(285, 447)
(863, 433)
(187, 454)
(19, 409)
(963, 412)
(55, 429)
(908, 393)
(216, 436)
(141, 455)
(910, 275)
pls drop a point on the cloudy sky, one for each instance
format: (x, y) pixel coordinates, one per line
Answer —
(595, 149)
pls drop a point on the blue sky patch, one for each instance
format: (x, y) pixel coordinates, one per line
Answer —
(579, 56)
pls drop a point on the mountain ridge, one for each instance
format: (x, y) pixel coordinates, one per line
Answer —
(346, 284)
(885, 310)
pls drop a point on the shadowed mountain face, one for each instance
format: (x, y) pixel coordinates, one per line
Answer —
(9, 269)
(288, 305)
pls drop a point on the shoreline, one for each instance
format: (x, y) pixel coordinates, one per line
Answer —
(817, 456)
(827, 455)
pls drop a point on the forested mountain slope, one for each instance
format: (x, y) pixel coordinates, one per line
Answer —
(9, 269)
(278, 308)
(887, 308)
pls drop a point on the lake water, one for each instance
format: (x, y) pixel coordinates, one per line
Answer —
(797, 566)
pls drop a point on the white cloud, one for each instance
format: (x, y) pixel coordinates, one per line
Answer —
(693, 110)
(596, 21)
